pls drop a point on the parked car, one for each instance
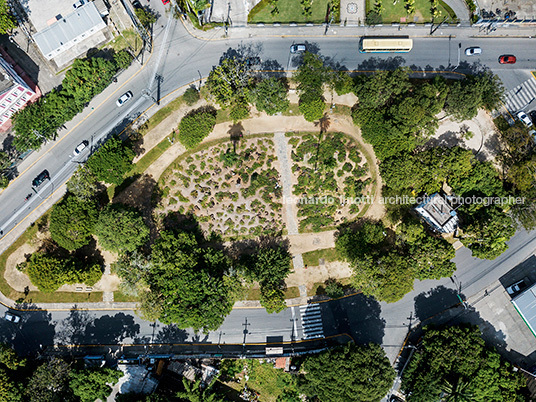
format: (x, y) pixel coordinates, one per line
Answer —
(507, 59)
(471, 51)
(124, 98)
(80, 147)
(298, 48)
(516, 287)
(165, 2)
(522, 116)
(41, 177)
(11, 317)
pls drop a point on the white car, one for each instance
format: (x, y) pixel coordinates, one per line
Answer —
(124, 99)
(522, 116)
(516, 287)
(471, 51)
(298, 48)
(11, 317)
(80, 147)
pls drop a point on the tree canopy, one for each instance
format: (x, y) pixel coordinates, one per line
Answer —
(271, 96)
(91, 384)
(310, 77)
(7, 20)
(453, 362)
(196, 125)
(72, 222)
(120, 228)
(112, 161)
(348, 373)
(188, 277)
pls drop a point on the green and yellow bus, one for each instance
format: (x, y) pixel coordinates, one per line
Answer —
(385, 44)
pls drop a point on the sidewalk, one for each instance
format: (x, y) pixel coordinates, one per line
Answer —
(462, 30)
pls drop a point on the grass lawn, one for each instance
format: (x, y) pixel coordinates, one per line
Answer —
(311, 258)
(290, 293)
(393, 13)
(128, 38)
(318, 287)
(289, 11)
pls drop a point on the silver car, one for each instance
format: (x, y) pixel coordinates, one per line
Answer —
(124, 99)
(472, 51)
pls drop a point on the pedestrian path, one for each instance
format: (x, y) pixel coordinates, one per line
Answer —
(519, 97)
(311, 321)
(281, 145)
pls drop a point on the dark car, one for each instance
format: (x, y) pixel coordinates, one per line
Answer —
(507, 59)
(41, 177)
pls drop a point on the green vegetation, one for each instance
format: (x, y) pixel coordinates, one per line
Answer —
(386, 264)
(310, 77)
(311, 258)
(419, 11)
(41, 120)
(48, 273)
(196, 125)
(286, 11)
(271, 96)
(191, 95)
(134, 270)
(120, 228)
(112, 161)
(147, 18)
(72, 222)
(349, 373)
(7, 20)
(454, 364)
(91, 384)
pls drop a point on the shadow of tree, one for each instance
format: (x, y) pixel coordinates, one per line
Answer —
(358, 316)
(374, 63)
(112, 329)
(171, 334)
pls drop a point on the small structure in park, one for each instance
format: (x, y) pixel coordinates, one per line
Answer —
(438, 213)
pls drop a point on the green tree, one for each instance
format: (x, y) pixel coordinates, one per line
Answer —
(133, 269)
(49, 382)
(229, 81)
(487, 232)
(195, 126)
(10, 389)
(147, 18)
(239, 109)
(7, 20)
(348, 373)
(83, 184)
(91, 384)
(120, 228)
(189, 279)
(191, 95)
(195, 392)
(46, 272)
(122, 59)
(271, 96)
(112, 161)
(72, 222)
(272, 299)
(311, 75)
(453, 362)
(313, 109)
(9, 358)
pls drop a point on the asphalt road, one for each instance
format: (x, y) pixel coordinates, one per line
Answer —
(179, 59)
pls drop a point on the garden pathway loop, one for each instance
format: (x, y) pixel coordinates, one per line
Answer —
(281, 145)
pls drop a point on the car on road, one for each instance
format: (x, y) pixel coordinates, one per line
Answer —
(124, 98)
(298, 48)
(471, 51)
(40, 178)
(507, 59)
(516, 287)
(532, 115)
(522, 116)
(11, 317)
(83, 145)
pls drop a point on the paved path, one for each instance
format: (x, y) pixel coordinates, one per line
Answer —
(281, 146)
(460, 8)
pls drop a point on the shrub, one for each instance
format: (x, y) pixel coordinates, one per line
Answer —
(112, 161)
(191, 95)
(334, 289)
(196, 125)
(121, 229)
(312, 110)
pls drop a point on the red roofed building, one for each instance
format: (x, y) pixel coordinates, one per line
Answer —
(16, 89)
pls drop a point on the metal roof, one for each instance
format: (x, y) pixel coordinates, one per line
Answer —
(63, 34)
(525, 304)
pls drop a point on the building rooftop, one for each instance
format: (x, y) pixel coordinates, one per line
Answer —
(438, 213)
(525, 304)
(42, 14)
(68, 27)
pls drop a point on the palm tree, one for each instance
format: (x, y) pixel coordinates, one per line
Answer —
(456, 391)
(194, 392)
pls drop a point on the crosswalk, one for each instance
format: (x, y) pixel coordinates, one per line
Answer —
(519, 97)
(311, 319)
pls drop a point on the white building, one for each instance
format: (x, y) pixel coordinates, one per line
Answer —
(436, 211)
